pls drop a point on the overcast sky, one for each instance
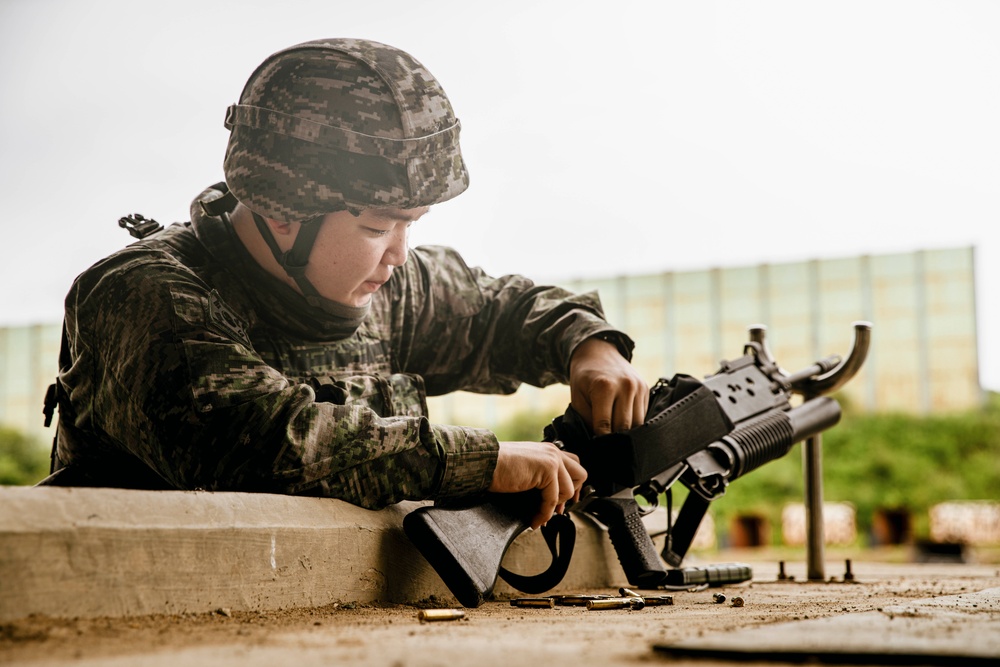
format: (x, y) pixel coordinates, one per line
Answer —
(602, 137)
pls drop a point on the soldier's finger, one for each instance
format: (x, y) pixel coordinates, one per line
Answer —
(602, 402)
(550, 499)
(622, 419)
(566, 489)
(639, 407)
(576, 471)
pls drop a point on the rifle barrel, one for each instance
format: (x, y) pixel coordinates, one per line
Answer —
(814, 416)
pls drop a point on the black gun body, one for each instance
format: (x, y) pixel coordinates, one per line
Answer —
(748, 447)
(704, 434)
(756, 442)
(762, 426)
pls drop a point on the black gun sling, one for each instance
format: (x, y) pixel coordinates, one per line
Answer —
(560, 536)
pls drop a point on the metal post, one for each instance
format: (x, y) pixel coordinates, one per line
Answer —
(812, 449)
(812, 464)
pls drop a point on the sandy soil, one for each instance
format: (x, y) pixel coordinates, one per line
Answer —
(496, 633)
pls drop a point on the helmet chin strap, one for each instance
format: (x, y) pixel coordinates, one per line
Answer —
(294, 263)
(295, 260)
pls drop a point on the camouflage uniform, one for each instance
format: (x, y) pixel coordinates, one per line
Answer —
(185, 365)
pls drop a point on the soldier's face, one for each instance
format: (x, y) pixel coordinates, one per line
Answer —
(354, 256)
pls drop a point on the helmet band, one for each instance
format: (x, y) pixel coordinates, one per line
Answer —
(331, 136)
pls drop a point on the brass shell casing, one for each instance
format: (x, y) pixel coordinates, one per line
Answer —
(578, 600)
(658, 600)
(429, 615)
(545, 603)
(616, 603)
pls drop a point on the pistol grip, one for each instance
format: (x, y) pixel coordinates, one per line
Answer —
(636, 553)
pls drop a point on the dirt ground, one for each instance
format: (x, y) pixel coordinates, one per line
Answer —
(494, 634)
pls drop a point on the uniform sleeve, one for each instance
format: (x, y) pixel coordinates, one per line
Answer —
(462, 329)
(164, 371)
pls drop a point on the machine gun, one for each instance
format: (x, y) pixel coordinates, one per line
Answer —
(704, 434)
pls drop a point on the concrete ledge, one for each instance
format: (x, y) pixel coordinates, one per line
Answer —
(80, 552)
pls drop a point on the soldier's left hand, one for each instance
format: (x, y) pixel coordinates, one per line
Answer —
(605, 389)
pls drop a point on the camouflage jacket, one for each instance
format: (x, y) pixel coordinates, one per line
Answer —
(185, 365)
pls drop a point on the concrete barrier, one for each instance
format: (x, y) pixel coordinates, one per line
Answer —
(81, 552)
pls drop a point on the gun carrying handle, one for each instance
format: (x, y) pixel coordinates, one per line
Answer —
(632, 542)
(831, 380)
(845, 370)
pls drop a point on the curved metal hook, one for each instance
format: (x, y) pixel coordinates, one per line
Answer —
(826, 375)
(845, 370)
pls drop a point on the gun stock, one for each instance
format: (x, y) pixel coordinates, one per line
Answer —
(465, 546)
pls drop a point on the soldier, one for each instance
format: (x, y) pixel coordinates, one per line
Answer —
(285, 339)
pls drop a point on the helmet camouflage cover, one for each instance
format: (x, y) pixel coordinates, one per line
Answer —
(342, 124)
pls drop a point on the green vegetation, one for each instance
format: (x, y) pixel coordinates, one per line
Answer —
(875, 462)
(914, 462)
(525, 426)
(22, 459)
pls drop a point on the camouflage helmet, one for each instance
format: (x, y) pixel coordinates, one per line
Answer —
(342, 124)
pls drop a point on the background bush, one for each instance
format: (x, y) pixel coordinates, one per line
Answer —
(23, 460)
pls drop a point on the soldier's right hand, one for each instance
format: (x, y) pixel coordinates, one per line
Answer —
(523, 466)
